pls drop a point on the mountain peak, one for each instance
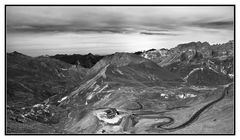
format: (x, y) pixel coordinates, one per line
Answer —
(90, 54)
(17, 54)
(151, 50)
(122, 59)
(193, 45)
(118, 59)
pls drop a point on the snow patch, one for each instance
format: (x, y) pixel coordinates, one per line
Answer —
(90, 96)
(119, 71)
(187, 95)
(63, 69)
(64, 98)
(103, 72)
(37, 105)
(212, 69)
(164, 95)
(103, 88)
(231, 75)
(223, 71)
(191, 72)
(96, 87)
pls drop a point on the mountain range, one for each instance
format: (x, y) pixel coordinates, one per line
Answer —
(142, 92)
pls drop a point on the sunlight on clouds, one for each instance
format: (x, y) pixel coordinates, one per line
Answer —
(35, 44)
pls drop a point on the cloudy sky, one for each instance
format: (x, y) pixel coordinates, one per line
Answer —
(103, 30)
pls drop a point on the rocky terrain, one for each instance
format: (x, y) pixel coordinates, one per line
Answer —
(188, 89)
(190, 59)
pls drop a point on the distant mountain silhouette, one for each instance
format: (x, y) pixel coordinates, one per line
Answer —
(86, 61)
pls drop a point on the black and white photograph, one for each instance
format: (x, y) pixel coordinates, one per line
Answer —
(120, 69)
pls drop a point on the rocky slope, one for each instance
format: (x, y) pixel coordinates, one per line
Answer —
(184, 58)
(34, 80)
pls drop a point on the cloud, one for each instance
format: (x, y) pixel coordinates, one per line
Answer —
(115, 19)
(220, 24)
(159, 33)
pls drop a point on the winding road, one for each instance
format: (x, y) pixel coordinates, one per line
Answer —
(163, 126)
(164, 123)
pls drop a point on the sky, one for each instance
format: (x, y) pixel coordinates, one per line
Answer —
(41, 30)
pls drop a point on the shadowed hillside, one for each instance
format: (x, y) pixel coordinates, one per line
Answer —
(86, 61)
